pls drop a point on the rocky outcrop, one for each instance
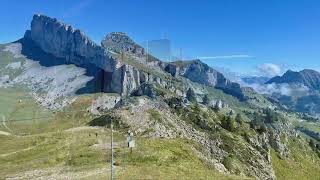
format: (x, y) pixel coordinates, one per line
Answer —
(63, 41)
(127, 79)
(104, 102)
(200, 72)
(218, 103)
(146, 89)
(119, 42)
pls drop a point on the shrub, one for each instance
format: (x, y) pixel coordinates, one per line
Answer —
(239, 119)
(228, 123)
(205, 100)
(191, 96)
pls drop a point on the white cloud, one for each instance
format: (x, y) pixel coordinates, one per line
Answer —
(226, 57)
(282, 89)
(269, 70)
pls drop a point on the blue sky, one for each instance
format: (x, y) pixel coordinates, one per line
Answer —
(244, 36)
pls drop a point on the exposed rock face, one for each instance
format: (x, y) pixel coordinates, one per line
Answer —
(103, 102)
(63, 41)
(201, 73)
(146, 89)
(119, 42)
(307, 77)
(127, 79)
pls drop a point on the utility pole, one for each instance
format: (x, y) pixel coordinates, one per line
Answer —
(112, 158)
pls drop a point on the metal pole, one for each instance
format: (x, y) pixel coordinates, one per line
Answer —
(112, 160)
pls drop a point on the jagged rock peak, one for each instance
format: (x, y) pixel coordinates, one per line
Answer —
(41, 17)
(121, 42)
(119, 37)
(63, 41)
(48, 20)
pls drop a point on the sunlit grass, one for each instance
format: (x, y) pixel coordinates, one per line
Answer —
(302, 163)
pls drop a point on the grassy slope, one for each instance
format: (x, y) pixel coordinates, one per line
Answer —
(49, 146)
(14, 112)
(153, 158)
(302, 163)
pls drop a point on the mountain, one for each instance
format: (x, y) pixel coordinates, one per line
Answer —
(117, 73)
(304, 87)
(60, 92)
(200, 72)
(307, 77)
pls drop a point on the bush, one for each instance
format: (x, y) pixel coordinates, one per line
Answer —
(239, 119)
(271, 116)
(216, 108)
(227, 162)
(312, 144)
(105, 120)
(260, 127)
(228, 123)
(191, 96)
(205, 100)
(155, 115)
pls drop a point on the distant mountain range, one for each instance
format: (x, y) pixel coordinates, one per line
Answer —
(304, 88)
(307, 77)
(255, 79)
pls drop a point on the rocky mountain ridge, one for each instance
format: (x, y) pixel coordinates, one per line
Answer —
(118, 75)
(307, 77)
(200, 72)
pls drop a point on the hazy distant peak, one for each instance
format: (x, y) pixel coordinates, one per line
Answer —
(307, 77)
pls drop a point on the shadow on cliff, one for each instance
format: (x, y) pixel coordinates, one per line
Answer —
(100, 77)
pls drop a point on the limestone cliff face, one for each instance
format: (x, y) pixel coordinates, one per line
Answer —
(201, 73)
(127, 79)
(64, 41)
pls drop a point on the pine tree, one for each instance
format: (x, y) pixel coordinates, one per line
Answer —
(312, 143)
(231, 124)
(228, 123)
(216, 108)
(205, 100)
(239, 118)
(191, 96)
